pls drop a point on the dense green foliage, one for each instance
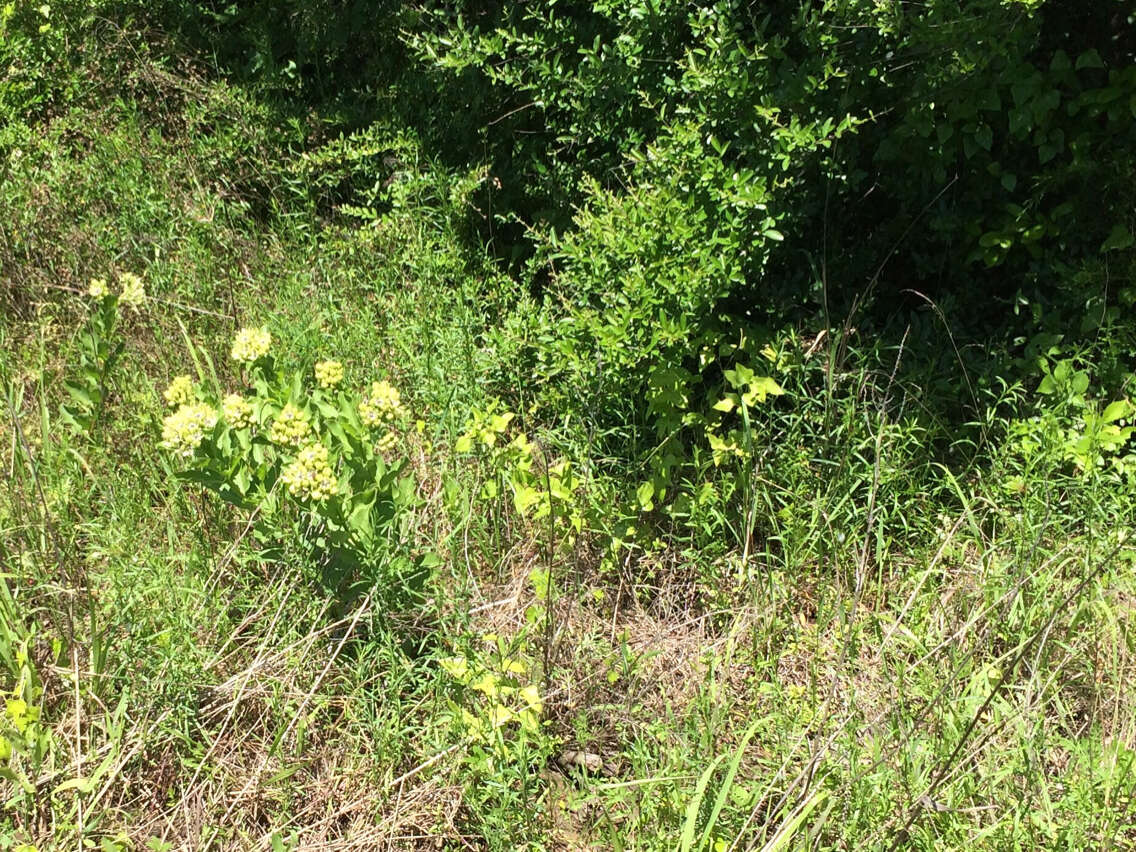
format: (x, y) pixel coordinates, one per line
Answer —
(641, 425)
(727, 163)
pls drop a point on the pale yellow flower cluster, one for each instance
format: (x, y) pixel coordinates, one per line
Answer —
(329, 374)
(251, 344)
(133, 292)
(380, 404)
(237, 411)
(310, 476)
(180, 391)
(387, 443)
(98, 288)
(184, 430)
(290, 427)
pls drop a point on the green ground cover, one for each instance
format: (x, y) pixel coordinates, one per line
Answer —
(671, 495)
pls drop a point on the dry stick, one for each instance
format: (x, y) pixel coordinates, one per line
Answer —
(406, 776)
(228, 719)
(47, 522)
(942, 769)
(231, 553)
(78, 737)
(255, 779)
(124, 759)
(263, 660)
(425, 765)
(910, 602)
(494, 604)
(394, 819)
(934, 701)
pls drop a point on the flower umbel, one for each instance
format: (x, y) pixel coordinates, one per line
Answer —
(329, 373)
(290, 427)
(180, 391)
(387, 443)
(251, 344)
(310, 476)
(380, 404)
(237, 411)
(133, 291)
(184, 430)
(98, 288)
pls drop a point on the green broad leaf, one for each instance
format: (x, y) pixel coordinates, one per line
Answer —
(1117, 410)
(645, 494)
(1118, 239)
(242, 480)
(1089, 59)
(336, 430)
(464, 444)
(727, 403)
(349, 413)
(717, 443)
(75, 419)
(558, 489)
(361, 520)
(404, 494)
(430, 559)
(207, 478)
(739, 377)
(764, 386)
(83, 785)
(1048, 384)
(1060, 61)
(541, 582)
(79, 394)
(1113, 437)
(500, 422)
(525, 498)
(17, 710)
(775, 235)
(1080, 382)
(984, 136)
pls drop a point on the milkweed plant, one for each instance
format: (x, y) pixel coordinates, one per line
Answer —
(99, 350)
(301, 440)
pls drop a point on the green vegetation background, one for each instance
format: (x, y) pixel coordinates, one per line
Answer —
(767, 469)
